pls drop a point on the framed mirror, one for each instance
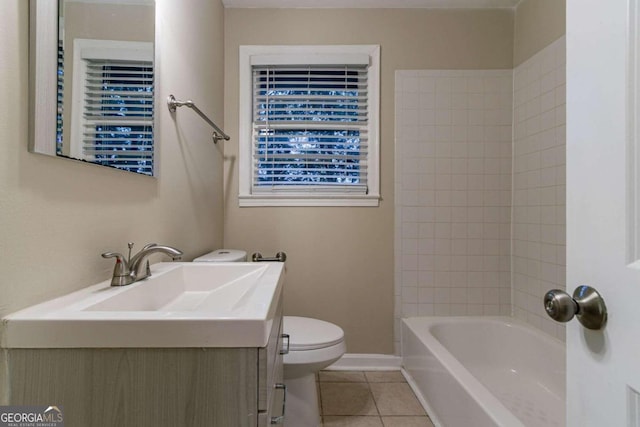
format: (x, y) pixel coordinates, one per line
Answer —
(92, 81)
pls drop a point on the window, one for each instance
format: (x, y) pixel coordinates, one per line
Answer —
(309, 126)
(113, 104)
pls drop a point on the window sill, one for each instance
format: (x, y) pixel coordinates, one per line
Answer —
(247, 201)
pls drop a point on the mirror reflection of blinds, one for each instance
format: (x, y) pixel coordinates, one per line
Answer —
(118, 114)
(310, 128)
(60, 96)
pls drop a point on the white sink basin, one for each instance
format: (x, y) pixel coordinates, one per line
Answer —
(180, 305)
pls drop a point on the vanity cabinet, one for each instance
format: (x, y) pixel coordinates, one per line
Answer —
(155, 387)
(271, 390)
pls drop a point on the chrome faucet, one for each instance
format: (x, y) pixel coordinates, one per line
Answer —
(137, 268)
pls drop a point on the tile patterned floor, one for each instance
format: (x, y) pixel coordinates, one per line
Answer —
(369, 399)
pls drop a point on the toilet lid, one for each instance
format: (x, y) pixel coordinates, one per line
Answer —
(310, 334)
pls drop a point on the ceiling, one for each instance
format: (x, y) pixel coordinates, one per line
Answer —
(382, 4)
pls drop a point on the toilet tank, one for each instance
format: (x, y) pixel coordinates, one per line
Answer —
(223, 255)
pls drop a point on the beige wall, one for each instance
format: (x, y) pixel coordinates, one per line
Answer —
(57, 216)
(341, 260)
(537, 24)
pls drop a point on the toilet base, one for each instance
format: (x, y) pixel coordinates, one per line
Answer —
(302, 409)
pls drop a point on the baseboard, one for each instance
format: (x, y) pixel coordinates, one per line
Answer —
(367, 362)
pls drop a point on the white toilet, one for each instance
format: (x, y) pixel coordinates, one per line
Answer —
(313, 345)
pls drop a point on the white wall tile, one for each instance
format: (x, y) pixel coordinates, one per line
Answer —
(454, 181)
(539, 242)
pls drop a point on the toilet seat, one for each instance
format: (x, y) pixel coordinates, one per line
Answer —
(311, 334)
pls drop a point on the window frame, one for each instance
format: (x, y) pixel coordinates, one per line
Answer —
(312, 55)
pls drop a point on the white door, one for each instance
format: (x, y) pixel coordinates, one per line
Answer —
(603, 209)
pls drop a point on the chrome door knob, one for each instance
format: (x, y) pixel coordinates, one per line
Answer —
(586, 304)
(560, 306)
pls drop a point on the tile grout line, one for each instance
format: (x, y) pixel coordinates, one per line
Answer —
(372, 396)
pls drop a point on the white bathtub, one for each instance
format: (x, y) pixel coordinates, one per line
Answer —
(485, 371)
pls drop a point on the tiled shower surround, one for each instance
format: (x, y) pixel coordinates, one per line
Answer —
(453, 192)
(479, 174)
(539, 232)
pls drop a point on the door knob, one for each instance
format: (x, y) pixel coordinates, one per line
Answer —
(586, 304)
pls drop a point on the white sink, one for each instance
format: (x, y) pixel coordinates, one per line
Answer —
(180, 305)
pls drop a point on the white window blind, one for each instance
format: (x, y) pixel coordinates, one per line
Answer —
(118, 113)
(310, 128)
(309, 125)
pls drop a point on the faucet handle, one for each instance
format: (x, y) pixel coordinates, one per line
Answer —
(116, 255)
(121, 273)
